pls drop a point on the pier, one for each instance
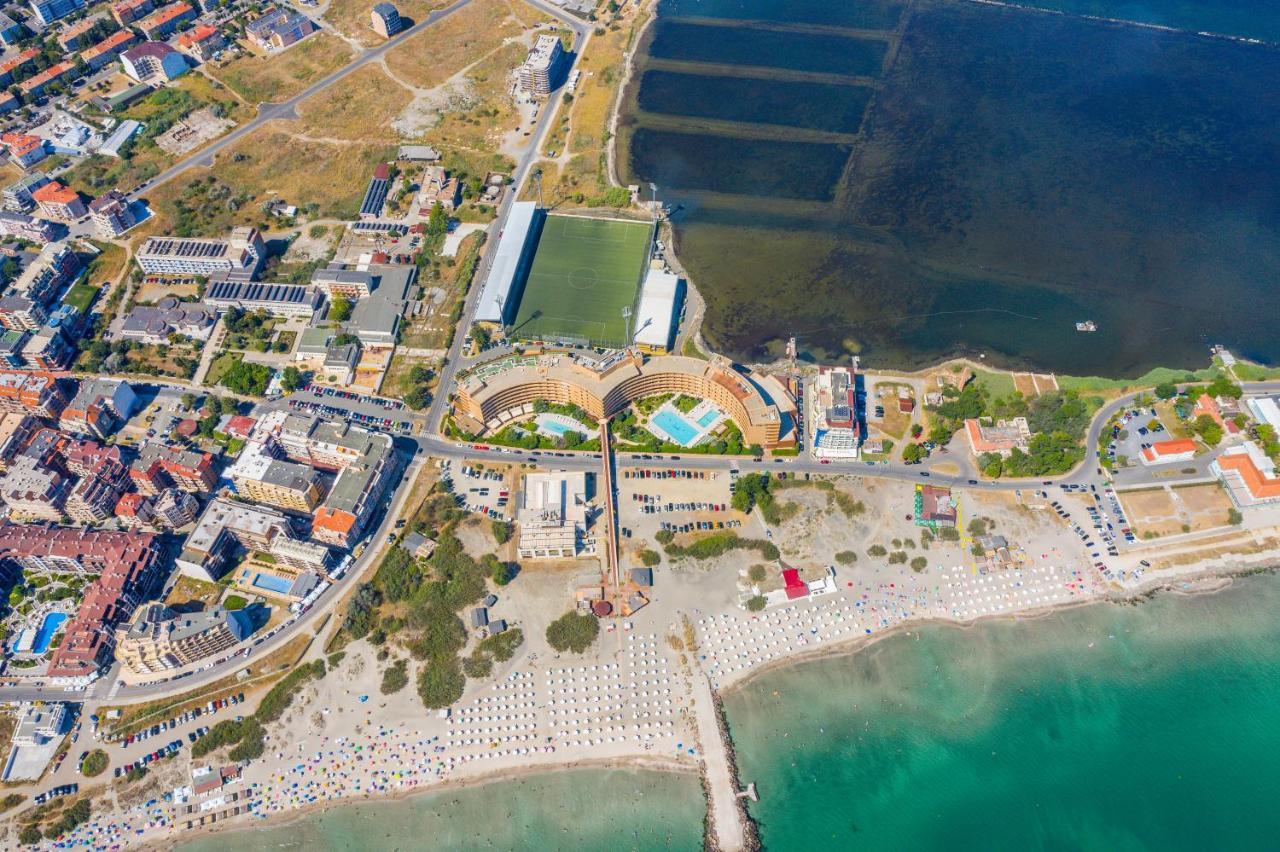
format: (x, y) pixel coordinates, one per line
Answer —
(728, 829)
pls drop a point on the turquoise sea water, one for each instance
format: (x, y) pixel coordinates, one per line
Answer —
(572, 809)
(1105, 728)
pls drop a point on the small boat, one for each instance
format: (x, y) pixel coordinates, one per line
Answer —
(1087, 325)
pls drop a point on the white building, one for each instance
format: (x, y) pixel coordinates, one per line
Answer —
(659, 312)
(497, 302)
(833, 414)
(553, 515)
(539, 72)
(1265, 409)
(244, 251)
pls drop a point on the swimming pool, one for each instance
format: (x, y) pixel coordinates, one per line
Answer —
(676, 427)
(556, 428)
(48, 627)
(708, 418)
(272, 583)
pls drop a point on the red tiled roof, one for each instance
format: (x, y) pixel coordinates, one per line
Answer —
(197, 35)
(55, 193)
(1258, 484)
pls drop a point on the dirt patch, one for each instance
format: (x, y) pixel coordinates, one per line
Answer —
(193, 131)
(1207, 505)
(1152, 512)
(459, 40)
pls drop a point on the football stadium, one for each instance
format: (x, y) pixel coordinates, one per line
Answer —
(584, 273)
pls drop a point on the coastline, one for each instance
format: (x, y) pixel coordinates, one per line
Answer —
(644, 763)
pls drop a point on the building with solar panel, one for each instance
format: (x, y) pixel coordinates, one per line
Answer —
(282, 300)
(242, 253)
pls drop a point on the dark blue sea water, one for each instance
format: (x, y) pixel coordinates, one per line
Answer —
(957, 177)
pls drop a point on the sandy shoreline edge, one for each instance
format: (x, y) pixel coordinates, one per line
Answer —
(284, 818)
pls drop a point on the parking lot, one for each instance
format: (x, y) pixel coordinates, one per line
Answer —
(169, 736)
(1097, 518)
(673, 499)
(488, 490)
(1140, 428)
(374, 412)
(156, 417)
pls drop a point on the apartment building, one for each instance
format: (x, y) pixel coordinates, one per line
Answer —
(101, 54)
(160, 466)
(94, 497)
(174, 509)
(99, 408)
(48, 11)
(243, 252)
(25, 227)
(541, 69)
(24, 149)
(257, 475)
(159, 639)
(127, 11)
(161, 23)
(55, 267)
(202, 42)
(153, 62)
(34, 492)
(17, 195)
(356, 493)
(31, 392)
(111, 214)
(58, 202)
(227, 526)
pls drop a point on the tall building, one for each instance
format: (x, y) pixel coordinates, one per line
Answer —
(44, 277)
(226, 526)
(58, 202)
(17, 195)
(99, 407)
(153, 62)
(243, 252)
(541, 69)
(34, 492)
(385, 20)
(161, 466)
(553, 515)
(159, 639)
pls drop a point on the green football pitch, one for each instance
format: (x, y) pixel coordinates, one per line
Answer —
(584, 272)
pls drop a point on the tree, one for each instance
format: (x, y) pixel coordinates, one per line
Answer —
(95, 763)
(441, 683)
(914, 453)
(757, 573)
(188, 401)
(1234, 517)
(876, 550)
(1166, 390)
(649, 557)
(919, 564)
(573, 632)
(1208, 430)
(291, 378)
(437, 221)
(756, 603)
(340, 309)
(501, 532)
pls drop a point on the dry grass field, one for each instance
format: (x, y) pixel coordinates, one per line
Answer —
(260, 79)
(346, 110)
(1191, 508)
(583, 175)
(269, 164)
(437, 53)
(351, 17)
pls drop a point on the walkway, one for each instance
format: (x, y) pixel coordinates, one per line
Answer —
(726, 825)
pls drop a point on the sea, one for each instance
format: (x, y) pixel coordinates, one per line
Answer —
(1106, 727)
(905, 181)
(615, 809)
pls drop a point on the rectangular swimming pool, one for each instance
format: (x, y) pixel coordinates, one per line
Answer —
(707, 419)
(272, 583)
(676, 427)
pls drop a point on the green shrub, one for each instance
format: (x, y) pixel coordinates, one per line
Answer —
(846, 557)
(441, 683)
(755, 604)
(95, 763)
(234, 602)
(650, 557)
(573, 632)
(396, 677)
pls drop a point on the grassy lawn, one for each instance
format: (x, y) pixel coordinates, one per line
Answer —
(459, 40)
(346, 111)
(997, 384)
(81, 296)
(190, 590)
(1097, 384)
(254, 171)
(260, 79)
(220, 365)
(108, 263)
(1247, 372)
